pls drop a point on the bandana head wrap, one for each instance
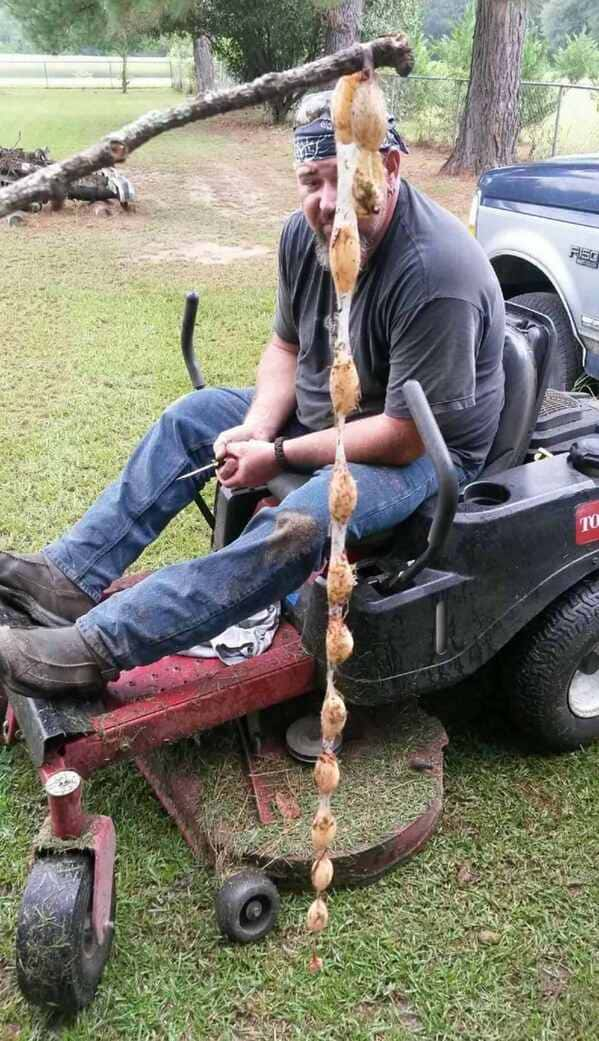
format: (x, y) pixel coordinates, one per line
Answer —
(314, 136)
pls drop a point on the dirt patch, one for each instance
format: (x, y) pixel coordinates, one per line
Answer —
(201, 253)
(227, 206)
(397, 1009)
(542, 801)
(200, 190)
(553, 981)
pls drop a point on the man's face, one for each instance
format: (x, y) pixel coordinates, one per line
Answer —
(317, 186)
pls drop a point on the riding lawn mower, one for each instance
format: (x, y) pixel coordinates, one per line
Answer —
(504, 570)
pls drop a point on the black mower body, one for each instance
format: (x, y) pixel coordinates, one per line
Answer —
(503, 562)
(512, 543)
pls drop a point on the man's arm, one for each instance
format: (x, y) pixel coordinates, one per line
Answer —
(379, 440)
(275, 388)
(436, 345)
(274, 400)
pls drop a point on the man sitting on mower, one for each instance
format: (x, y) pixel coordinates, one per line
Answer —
(427, 306)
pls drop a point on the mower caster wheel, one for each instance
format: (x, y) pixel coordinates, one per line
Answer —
(552, 671)
(59, 960)
(247, 906)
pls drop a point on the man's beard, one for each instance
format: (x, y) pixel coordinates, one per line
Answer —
(321, 247)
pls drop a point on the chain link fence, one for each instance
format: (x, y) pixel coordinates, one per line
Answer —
(555, 118)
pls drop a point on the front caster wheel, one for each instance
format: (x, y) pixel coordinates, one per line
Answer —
(247, 906)
(59, 960)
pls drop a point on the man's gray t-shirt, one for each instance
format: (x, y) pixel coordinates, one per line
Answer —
(427, 306)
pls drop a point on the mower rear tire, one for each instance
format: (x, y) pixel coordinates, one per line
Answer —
(59, 959)
(247, 905)
(552, 672)
(567, 364)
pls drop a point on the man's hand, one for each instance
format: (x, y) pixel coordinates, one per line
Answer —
(248, 464)
(244, 432)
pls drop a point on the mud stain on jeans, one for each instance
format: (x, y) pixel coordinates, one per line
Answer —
(294, 535)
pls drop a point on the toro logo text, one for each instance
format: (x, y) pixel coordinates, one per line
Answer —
(587, 522)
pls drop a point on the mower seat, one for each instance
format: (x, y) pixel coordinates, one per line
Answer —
(519, 413)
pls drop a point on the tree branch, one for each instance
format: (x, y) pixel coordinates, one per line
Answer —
(52, 181)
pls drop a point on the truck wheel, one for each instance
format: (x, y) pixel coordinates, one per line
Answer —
(59, 960)
(552, 671)
(567, 365)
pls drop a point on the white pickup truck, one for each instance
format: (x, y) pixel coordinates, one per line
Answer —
(539, 225)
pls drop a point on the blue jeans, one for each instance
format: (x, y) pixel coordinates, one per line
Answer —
(190, 602)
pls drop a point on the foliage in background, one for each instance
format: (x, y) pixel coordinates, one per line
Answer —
(385, 16)
(12, 40)
(454, 52)
(269, 36)
(119, 27)
(563, 18)
(440, 16)
(537, 103)
(536, 63)
(579, 59)
(59, 26)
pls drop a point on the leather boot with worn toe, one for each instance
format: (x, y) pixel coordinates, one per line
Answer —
(48, 663)
(32, 582)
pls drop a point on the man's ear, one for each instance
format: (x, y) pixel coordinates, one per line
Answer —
(392, 161)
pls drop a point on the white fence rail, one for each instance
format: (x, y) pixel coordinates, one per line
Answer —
(49, 70)
(41, 70)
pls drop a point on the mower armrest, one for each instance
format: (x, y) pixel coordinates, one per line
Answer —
(447, 498)
(189, 357)
(287, 482)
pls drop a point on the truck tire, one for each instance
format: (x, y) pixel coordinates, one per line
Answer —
(568, 363)
(551, 671)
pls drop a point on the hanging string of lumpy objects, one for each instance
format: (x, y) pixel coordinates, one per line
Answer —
(360, 122)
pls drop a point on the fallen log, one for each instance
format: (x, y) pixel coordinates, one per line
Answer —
(101, 186)
(51, 182)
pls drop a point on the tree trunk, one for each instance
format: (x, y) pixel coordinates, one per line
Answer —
(204, 64)
(491, 121)
(279, 107)
(342, 24)
(124, 80)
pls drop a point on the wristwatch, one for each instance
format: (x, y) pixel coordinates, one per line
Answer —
(280, 457)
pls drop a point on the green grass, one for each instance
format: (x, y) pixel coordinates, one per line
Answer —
(65, 120)
(89, 358)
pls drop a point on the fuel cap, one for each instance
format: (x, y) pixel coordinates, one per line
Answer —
(584, 455)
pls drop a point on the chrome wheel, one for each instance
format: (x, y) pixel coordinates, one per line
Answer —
(583, 693)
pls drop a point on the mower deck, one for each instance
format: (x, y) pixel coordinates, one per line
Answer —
(238, 806)
(220, 765)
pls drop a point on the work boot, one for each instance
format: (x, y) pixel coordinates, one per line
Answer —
(47, 663)
(31, 581)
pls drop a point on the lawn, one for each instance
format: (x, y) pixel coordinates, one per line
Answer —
(490, 934)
